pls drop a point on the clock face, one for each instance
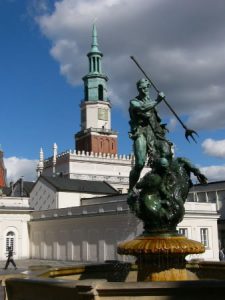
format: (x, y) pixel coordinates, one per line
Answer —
(103, 114)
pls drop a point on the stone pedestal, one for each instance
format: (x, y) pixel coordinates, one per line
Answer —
(161, 258)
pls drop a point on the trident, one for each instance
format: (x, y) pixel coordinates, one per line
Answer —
(188, 132)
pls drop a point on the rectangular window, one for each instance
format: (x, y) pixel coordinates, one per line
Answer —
(211, 197)
(190, 197)
(183, 231)
(201, 197)
(204, 233)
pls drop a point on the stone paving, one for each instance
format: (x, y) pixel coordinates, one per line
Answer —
(23, 265)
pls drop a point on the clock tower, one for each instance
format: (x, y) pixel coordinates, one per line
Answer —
(96, 134)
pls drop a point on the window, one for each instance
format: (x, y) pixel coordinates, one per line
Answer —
(204, 232)
(211, 197)
(201, 197)
(89, 64)
(94, 64)
(98, 64)
(85, 93)
(83, 116)
(222, 238)
(191, 197)
(221, 195)
(183, 231)
(10, 240)
(100, 92)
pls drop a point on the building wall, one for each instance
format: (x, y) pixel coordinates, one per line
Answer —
(98, 114)
(66, 199)
(202, 217)
(43, 196)
(14, 202)
(81, 239)
(70, 199)
(18, 224)
(14, 218)
(97, 143)
(115, 169)
(90, 233)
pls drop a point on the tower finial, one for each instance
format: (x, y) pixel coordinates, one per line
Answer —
(40, 165)
(94, 45)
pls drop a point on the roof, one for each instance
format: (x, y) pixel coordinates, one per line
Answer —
(104, 199)
(76, 185)
(213, 185)
(6, 191)
(15, 208)
(26, 185)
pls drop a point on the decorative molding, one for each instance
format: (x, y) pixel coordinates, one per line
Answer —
(89, 156)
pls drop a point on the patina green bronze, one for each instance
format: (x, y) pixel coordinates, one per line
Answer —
(188, 132)
(158, 198)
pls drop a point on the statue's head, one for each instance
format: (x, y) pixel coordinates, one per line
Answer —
(143, 84)
(161, 164)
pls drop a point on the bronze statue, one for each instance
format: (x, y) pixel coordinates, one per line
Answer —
(146, 128)
(158, 198)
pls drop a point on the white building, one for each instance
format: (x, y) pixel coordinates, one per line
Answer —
(91, 232)
(74, 164)
(15, 213)
(58, 192)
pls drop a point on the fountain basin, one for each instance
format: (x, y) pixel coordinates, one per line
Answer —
(46, 289)
(161, 257)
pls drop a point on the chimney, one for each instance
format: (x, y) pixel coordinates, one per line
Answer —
(55, 148)
(21, 187)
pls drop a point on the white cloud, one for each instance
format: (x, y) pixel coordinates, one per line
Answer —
(214, 148)
(214, 173)
(172, 124)
(37, 7)
(186, 59)
(17, 167)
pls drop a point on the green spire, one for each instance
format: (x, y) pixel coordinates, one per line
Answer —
(94, 45)
(95, 87)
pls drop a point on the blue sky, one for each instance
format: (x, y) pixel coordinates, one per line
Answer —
(43, 58)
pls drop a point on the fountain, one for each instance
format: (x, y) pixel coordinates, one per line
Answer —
(158, 200)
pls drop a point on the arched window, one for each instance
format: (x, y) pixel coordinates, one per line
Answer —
(10, 240)
(100, 92)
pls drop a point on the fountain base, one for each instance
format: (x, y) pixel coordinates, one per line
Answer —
(161, 257)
